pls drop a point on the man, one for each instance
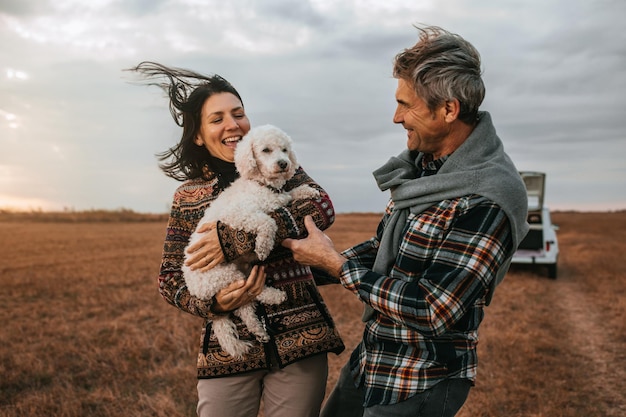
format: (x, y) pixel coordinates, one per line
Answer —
(456, 215)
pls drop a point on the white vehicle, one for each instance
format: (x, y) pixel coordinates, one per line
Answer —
(540, 246)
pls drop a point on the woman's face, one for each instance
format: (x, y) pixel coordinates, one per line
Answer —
(223, 122)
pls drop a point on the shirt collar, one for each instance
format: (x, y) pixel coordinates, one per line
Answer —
(430, 166)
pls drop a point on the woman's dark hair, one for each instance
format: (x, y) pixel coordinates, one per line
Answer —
(187, 92)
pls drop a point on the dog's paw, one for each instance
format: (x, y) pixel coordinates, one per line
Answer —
(304, 192)
(237, 348)
(227, 336)
(265, 239)
(263, 338)
(271, 295)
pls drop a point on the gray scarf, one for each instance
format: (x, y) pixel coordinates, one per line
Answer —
(479, 166)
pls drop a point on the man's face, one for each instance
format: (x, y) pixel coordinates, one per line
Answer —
(426, 131)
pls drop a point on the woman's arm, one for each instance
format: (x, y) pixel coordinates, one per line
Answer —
(172, 286)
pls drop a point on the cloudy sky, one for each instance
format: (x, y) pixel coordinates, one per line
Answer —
(77, 133)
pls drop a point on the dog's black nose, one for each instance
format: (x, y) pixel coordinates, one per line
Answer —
(283, 164)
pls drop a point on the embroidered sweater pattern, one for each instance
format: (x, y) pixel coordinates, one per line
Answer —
(299, 327)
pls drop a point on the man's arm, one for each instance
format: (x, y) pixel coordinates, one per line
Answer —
(432, 294)
(439, 275)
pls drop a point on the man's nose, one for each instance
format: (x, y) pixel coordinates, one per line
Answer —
(398, 117)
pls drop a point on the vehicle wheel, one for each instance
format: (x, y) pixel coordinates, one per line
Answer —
(552, 271)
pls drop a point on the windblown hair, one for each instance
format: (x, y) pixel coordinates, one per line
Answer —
(443, 66)
(187, 92)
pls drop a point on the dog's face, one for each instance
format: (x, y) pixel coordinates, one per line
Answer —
(265, 154)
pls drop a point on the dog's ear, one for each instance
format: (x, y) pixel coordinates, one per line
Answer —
(244, 156)
(292, 156)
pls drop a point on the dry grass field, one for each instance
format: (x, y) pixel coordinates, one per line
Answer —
(85, 333)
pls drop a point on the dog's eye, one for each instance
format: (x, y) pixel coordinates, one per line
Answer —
(285, 150)
(266, 150)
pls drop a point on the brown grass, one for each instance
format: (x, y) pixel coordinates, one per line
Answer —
(84, 331)
(71, 216)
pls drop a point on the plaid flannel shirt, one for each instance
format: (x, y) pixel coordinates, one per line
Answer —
(431, 304)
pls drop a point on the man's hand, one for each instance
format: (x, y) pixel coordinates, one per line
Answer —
(316, 250)
(206, 253)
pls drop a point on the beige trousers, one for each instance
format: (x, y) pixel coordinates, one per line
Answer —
(297, 390)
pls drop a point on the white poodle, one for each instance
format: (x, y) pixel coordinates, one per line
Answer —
(265, 161)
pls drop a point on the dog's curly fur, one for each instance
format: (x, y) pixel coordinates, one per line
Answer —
(265, 161)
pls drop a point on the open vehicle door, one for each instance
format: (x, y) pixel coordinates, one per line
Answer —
(540, 246)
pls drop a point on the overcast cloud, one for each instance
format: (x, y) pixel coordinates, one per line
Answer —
(77, 133)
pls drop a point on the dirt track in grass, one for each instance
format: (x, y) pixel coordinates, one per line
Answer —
(84, 331)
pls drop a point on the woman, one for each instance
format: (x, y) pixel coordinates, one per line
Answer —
(289, 372)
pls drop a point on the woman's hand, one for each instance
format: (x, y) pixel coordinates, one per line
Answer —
(240, 292)
(206, 253)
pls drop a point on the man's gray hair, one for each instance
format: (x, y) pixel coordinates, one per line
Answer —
(443, 66)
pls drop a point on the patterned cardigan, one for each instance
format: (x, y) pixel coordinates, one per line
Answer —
(299, 327)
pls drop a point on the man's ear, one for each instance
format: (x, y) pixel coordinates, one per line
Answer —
(452, 110)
